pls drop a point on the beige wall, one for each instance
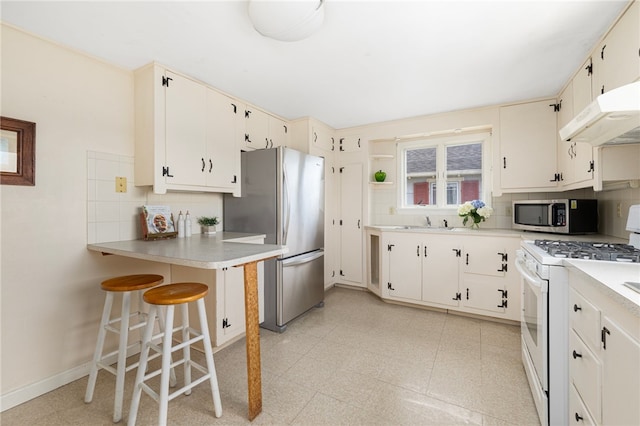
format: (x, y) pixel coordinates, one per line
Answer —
(51, 301)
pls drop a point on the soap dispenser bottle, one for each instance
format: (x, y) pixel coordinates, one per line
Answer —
(180, 225)
(187, 225)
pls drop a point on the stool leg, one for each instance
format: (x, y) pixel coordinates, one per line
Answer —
(186, 351)
(163, 396)
(97, 356)
(122, 355)
(161, 323)
(142, 366)
(213, 379)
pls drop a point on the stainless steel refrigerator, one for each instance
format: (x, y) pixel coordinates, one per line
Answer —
(283, 198)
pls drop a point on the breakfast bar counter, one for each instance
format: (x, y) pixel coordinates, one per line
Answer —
(221, 250)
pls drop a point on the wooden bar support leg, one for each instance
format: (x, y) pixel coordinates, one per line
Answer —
(253, 338)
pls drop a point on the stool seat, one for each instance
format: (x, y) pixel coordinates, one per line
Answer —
(175, 294)
(132, 282)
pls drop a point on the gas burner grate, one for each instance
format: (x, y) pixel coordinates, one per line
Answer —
(590, 250)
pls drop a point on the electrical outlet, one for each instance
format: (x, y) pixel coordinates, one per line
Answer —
(121, 184)
(619, 209)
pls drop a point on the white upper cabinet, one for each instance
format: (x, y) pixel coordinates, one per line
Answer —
(256, 132)
(528, 144)
(186, 134)
(616, 60)
(263, 131)
(575, 159)
(350, 144)
(323, 139)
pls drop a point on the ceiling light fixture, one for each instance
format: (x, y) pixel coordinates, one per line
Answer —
(286, 20)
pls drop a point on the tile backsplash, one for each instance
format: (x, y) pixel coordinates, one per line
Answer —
(114, 216)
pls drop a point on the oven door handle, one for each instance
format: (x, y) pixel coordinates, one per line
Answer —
(532, 279)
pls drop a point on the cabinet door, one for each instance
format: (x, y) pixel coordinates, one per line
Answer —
(483, 292)
(222, 156)
(322, 139)
(232, 303)
(350, 144)
(278, 132)
(620, 376)
(528, 135)
(565, 149)
(485, 256)
(582, 87)
(582, 159)
(351, 260)
(440, 270)
(617, 61)
(256, 129)
(185, 121)
(405, 267)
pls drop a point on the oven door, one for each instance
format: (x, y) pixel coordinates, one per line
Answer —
(534, 320)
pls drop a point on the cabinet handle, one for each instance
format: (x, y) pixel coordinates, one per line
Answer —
(504, 162)
(210, 165)
(603, 337)
(266, 145)
(358, 223)
(418, 251)
(425, 251)
(576, 355)
(203, 164)
(576, 308)
(578, 417)
(235, 108)
(467, 260)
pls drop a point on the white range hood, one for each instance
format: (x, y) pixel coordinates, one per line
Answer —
(612, 119)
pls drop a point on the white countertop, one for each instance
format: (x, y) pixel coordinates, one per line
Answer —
(612, 276)
(515, 233)
(221, 250)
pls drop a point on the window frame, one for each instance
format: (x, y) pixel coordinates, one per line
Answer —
(441, 142)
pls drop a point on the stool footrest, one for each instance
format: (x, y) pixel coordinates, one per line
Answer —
(153, 394)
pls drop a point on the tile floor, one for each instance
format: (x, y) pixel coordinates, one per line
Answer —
(357, 361)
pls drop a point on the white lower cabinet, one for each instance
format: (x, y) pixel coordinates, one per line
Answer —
(604, 357)
(224, 301)
(458, 272)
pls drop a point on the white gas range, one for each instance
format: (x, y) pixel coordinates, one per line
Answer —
(545, 314)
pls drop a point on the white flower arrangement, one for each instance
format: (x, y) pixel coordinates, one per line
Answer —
(475, 210)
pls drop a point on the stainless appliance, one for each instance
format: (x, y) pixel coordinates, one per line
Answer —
(283, 197)
(613, 118)
(545, 316)
(567, 216)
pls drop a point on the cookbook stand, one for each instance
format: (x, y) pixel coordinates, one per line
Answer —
(147, 235)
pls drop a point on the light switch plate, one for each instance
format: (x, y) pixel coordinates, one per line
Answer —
(121, 184)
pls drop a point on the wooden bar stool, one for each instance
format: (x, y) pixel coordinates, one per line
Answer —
(172, 295)
(124, 285)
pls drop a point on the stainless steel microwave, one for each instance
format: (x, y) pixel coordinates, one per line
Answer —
(568, 216)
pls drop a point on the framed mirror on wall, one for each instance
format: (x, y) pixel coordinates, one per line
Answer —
(17, 152)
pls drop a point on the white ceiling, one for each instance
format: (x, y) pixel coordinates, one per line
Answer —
(371, 61)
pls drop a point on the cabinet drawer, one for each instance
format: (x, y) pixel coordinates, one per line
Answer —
(578, 413)
(586, 374)
(585, 319)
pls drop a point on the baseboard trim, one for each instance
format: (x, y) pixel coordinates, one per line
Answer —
(34, 390)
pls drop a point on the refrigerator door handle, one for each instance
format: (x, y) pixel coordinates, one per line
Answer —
(302, 259)
(287, 205)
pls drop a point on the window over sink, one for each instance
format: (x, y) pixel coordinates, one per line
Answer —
(450, 165)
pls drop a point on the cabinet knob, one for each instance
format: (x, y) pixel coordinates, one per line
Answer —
(576, 308)
(576, 355)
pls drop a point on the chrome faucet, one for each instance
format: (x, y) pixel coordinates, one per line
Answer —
(428, 220)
